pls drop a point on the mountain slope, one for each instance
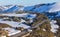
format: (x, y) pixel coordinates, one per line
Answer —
(12, 8)
(39, 7)
(55, 7)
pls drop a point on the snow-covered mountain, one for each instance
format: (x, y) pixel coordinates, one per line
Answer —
(39, 7)
(55, 7)
(50, 7)
(12, 8)
(52, 10)
(2, 8)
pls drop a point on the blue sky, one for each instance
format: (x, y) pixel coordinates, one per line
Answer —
(26, 2)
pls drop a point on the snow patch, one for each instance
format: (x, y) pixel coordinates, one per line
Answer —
(44, 30)
(15, 24)
(12, 31)
(54, 26)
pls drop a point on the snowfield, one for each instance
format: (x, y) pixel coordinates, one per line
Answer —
(15, 24)
(12, 31)
(17, 15)
(19, 24)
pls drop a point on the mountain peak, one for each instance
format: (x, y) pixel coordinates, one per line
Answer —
(55, 7)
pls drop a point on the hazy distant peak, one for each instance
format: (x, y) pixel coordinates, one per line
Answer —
(55, 7)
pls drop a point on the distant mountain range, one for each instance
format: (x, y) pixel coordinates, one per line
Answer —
(39, 7)
(49, 7)
(51, 10)
(10, 8)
